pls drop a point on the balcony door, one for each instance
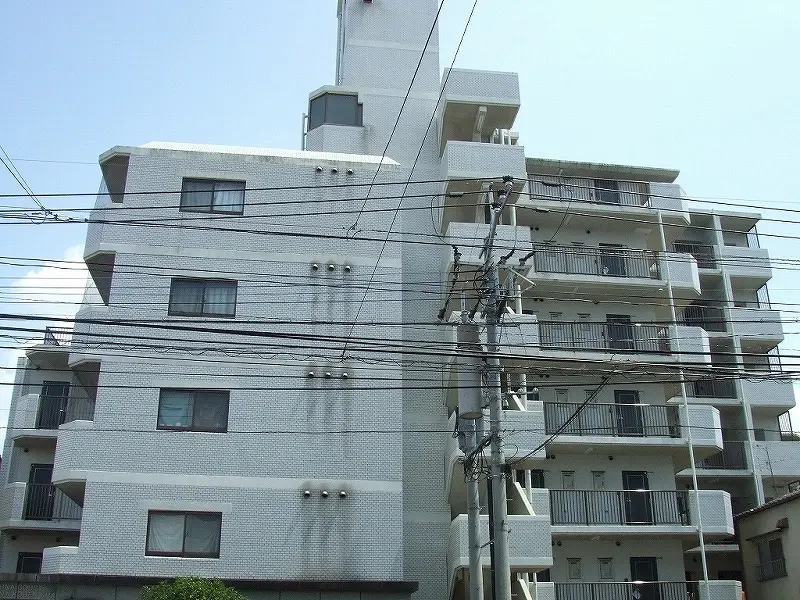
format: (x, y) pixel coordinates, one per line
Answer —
(644, 569)
(638, 509)
(39, 498)
(52, 404)
(612, 260)
(620, 332)
(630, 420)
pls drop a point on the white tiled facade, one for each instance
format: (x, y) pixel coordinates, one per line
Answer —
(337, 475)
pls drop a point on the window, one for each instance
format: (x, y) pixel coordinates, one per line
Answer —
(29, 562)
(185, 534)
(573, 568)
(193, 410)
(772, 562)
(606, 568)
(212, 195)
(202, 297)
(567, 480)
(335, 109)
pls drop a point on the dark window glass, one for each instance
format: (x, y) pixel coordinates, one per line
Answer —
(335, 109)
(184, 534)
(210, 195)
(193, 410)
(29, 562)
(202, 297)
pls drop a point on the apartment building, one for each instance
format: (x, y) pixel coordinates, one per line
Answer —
(253, 387)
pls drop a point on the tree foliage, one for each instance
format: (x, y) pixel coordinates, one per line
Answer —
(190, 588)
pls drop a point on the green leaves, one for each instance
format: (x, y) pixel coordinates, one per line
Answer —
(190, 588)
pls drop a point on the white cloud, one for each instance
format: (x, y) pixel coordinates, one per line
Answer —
(54, 289)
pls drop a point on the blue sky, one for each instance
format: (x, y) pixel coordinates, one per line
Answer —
(708, 87)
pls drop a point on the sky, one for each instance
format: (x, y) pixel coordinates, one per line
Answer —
(710, 88)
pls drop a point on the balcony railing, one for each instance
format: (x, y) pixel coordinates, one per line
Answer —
(603, 337)
(631, 420)
(619, 507)
(655, 590)
(772, 569)
(603, 262)
(703, 253)
(57, 336)
(45, 502)
(57, 410)
(714, 388)
(710, 318)
(732, 456)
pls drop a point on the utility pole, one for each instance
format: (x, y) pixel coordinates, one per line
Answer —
(501, 584)
(469, 417)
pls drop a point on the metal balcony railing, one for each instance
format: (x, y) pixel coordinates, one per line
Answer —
(772, 569)
(619, 507)
(610, 336)
(714, 388)
(732, 456)
(703, 253)
(57, 336)
(45, 502)
(655, 590)
(603, 262)
(710, 318)
(615, 420)
(57, 410)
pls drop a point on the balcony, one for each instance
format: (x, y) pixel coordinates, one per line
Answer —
(779, 461)
(761, 326)
(639, 512)
(39, 416)
(630, 428)
(38, 506)
(640, 590)
(711, 318)
(562, 268)
(528, 540)
(475, 103)
(469, 239)
(604, 196)
(467, 166)
(703, 253)
(732, 458)
(604, 337)
(748, 266)
(769, 396)
(713, 388)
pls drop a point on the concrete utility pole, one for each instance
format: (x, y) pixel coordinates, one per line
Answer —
(470, 415)
(499, 515)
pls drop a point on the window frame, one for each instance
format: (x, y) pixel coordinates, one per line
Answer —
(183, 553)
(211, 209)
(192, 427)
(172, 312)
(322, 99)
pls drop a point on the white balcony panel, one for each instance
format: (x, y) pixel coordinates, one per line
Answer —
(26, 412)
(691, 345)
(720, 589)
(706, 430)
(60, 559)
(465, 164)
(680, 270)
(469, 238)
(750, 265)
(669, 197)
(715, 510)
(760, 325)
(769, 393)
(777, 459)
(543, 590)
(529, 544)
(466, 91)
